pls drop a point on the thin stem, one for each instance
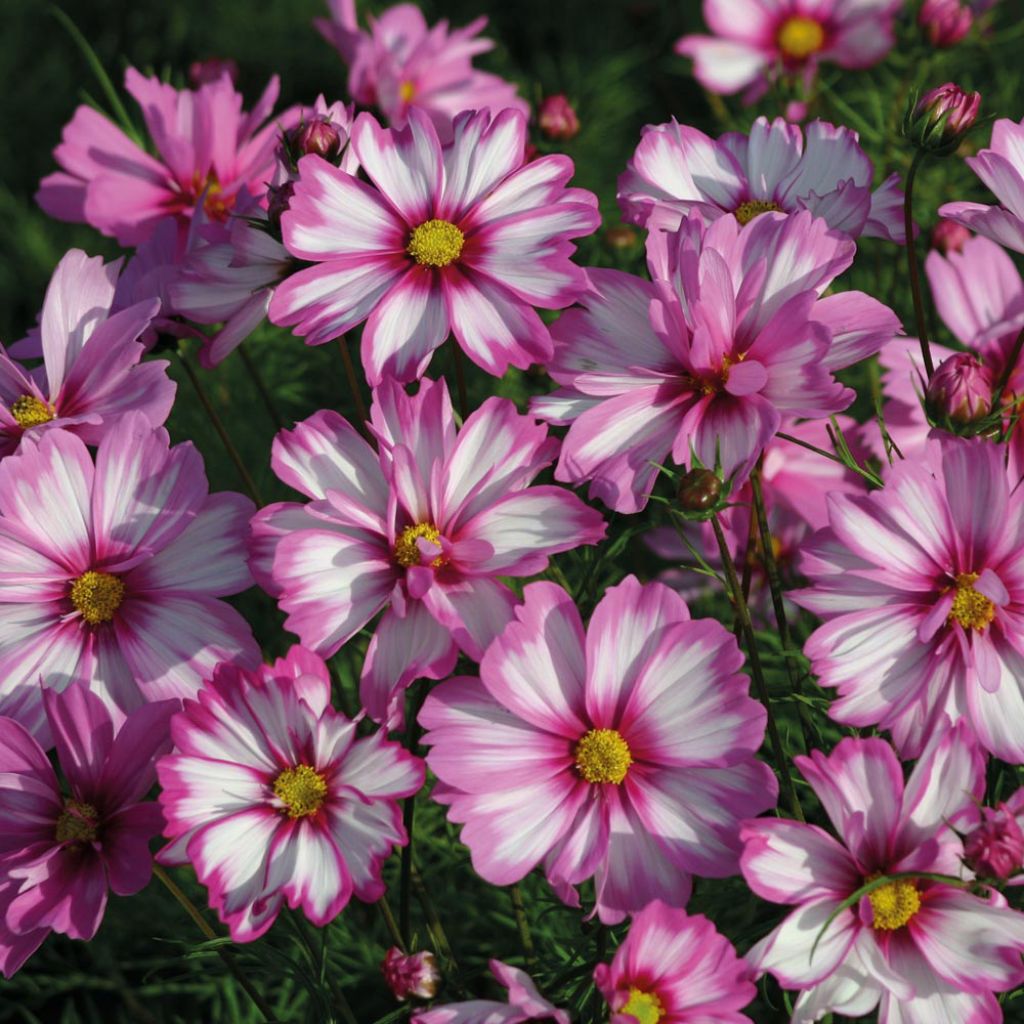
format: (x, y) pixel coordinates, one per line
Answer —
(437, 931)
(392, 925)
(748, 573)
(523, 924)
(755, 667)
(257, 378)
(868, 475)
(353, 383)
(318, 961)
(915, 274)
(218, 425)
(229, 961)
(460, 379)
(412, 735)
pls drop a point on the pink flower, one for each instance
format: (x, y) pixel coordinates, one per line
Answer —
(421, 529)
(675, 969)
(1001, 168)
(994, 848)
(271, 796)
(920, 949)
(556, 117)
(111, 572)
(961, 389)
(756, 40)
(921, 585)
(91, 375)
(207, 149)
(945, 22)
(942, 117)
(948, 236)
(626, 753)
(60, 854)
(402, 64)
(705, 362)
(677, 170)
(463, 238)
(414, 975)
(524, 1003)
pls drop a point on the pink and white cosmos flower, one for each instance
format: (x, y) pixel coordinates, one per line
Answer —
(421, 529)
(208, 150)
(462, 238)
(272, 797)
(919, 949)
(111, 572)
(677, 169)
(91, 374)
(755, 41)
(705, 362)
(402, 63)
(675, 969)
(60, 854)
(921, 585)
(626, 753)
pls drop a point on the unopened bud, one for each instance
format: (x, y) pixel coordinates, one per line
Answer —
(995, 849)
(557, 118)
(621, 237)
(414, 975)
(961, 389)
(949, 236)
(700, 490)
(941, 118)
(319, 135)
(945, 22)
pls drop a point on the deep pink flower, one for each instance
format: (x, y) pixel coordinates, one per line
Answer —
(462, 238)
(677, 170)
(111, 572)
(625, 753)
(207, 149)
(524, 1003)
(945, 22)
(961, 389)
(994, 848)
(272, 798)
(422, 529)
(415, 974)
(675, 969)
(402, 64)
(91, 374)
(756, 40)
(921, 585)
(60, 852)
(948, 236)
(556, 117)
(706, 361)
(921, 950)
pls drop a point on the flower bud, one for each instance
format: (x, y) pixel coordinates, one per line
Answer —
(556, 117)
(278, 198)
(948, 236)
(995, 849)
(415, 975)
(961, 389)
(318, 135)
(699, 491)
(621, 237)
(942, 117)
(944, 22)
(200, 72)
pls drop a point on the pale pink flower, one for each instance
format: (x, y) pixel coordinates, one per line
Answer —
(91, 375)
(625, 752)
(919, 949)
(465, 238)
(111, 572)
(677, 170)
(421, 529)
(60, 853)
(674, 968)
(272, 797)
(402, 64)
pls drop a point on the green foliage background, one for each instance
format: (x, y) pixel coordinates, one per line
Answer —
(615, 61)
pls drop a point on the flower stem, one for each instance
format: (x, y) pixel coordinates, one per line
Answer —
(412, 735)
(257, 378)
(755, 667)
(434, 925)
(915, 274)
(229, 961)
(318, 963)
(392, 925)
(353, 384)
(460, 379)
(523, 924)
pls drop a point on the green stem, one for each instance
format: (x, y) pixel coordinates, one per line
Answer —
(354, 387)
(257, 378)
(318, 962)
(412, 735)
(915, 274)
(434, 925)
(460, 380)
(523, 924)
(755, 667)
(868, 475)
(392, 925)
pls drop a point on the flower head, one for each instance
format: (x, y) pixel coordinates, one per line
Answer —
(961, 389)
(994, 848)
(948, 236)
(945, 22)
(942, 117)
(413, 975)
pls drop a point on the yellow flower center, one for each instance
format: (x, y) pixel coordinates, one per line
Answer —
(407, 552)
(77, 823)
(894, 904)
(799, 37)
(603, 756)
(301, 789)
(435, 243)
(406, 91)
(646, 1007)
(752, 208)
(97, 595)
(973, 610)
(29, 411)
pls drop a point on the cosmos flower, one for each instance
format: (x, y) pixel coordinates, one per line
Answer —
(464, 238)
(272, 797)
(625, 753)
(61, 853)
(422, 529)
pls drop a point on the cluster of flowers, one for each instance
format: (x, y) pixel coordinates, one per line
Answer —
(623, 751)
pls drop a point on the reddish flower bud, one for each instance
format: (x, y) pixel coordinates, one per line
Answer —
(556, 117)
(995, 849)
(415, 975)
(202, 71)
(942, 117)
(945, 22)
(699, 491)
(318, 135)
(961, 389)
(278, 198)
(948, 236)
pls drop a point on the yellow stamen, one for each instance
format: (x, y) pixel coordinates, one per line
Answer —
(752, 208)
(406, 91)
(972, 609)
(216, 205)
(29, 411)
(799, 37)
(407, 552)
(646, 1007)
(603, 756)
(97, 595)
(301, 789)
(894, 904)
(435, 243)
(78, 823)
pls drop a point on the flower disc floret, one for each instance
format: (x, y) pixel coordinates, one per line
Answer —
(301, 789)
(78, 823)
(29, 411)
(96, 596)
(894, 904)
(407, 552)
(646, 1007)
(436, 243)
(603, 756)
(752, 208)
(799, 37)
(971, 608)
